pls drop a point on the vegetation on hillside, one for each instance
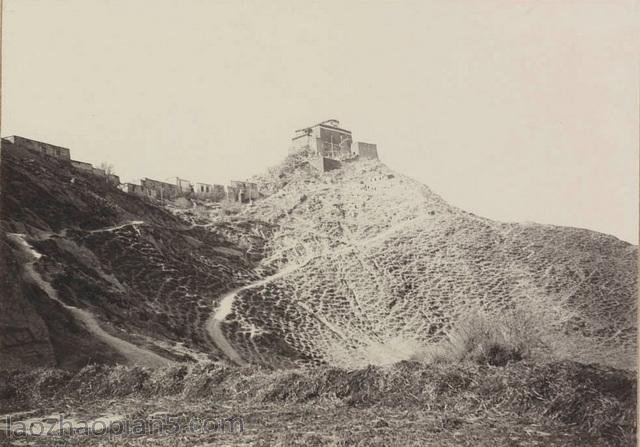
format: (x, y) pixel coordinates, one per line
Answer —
(465, 403)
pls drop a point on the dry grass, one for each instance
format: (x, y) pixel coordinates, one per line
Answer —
(229, 207)
(586, 400)
(492, 339)
(277, 177)
(182, 203)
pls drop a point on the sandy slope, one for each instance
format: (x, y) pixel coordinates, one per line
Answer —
(393, 267)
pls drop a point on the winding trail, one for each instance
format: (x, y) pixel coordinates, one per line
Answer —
(133, 223)
(218, 317)
(214, 323)
(134, 354)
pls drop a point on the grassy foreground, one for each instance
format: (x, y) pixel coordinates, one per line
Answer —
(409, 403)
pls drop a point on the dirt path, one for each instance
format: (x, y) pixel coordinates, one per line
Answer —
(214, 324)
(134, 354)
(117, 227)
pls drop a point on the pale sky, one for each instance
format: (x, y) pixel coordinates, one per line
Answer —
(513, 110)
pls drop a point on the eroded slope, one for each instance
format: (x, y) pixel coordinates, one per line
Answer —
(83, 258)
(380, 267)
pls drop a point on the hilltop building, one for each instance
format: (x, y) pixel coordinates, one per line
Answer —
(326, 139)
(365, 150)
(331, 145)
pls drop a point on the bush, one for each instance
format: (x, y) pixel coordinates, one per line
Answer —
(495, 340)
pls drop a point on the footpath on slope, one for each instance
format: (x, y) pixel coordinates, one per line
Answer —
(214, 324)
(135, 355)
(220, 314)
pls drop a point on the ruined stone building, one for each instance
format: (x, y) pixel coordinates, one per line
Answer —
(159, 190)
(242, 191)
(132, 188)
(113, 179)
(184, 186)
(215, 193)
(15, 142)
(82, 165)
(365, 150)
(88, 167)
(39, 146)
(331, 145)
(326, 139)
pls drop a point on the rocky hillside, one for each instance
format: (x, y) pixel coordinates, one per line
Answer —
(379, 267)
(91, 274)
(357, 266)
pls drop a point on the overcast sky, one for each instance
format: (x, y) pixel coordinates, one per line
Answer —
(513, 110)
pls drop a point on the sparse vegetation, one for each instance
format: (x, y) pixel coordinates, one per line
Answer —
(108, 168)
(182, 203)
(379, 267)
(229, 207)
(492, 339)
(556, 403)
(277, 177)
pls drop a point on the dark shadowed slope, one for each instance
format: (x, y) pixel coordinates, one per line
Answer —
(118, 266)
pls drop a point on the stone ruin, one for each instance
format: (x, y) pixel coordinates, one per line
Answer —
(237, 191)
(156, 189)
(15, 142)
(331, 145)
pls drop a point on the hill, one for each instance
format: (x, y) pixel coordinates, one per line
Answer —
(379, 266)
(356, 266)
(80, 257)
(355, 298)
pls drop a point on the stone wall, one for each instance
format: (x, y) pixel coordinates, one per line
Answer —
(184, 186)
(246, 190)
(113, 179)
(234, 194)
(324, 164)
(304, 141)
(44, 148)
(132, 188)
(63, 153)
(211, 192)
(82, 165)
(98, 171)
(335, 144)
(88, 167)
(158, 189)
(366, 150)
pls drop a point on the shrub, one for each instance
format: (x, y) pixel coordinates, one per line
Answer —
(495, 340)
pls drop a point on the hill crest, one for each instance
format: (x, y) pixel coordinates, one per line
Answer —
(354, 266)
